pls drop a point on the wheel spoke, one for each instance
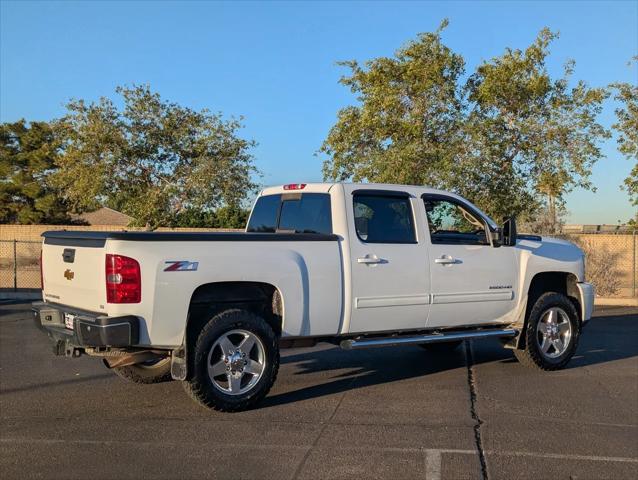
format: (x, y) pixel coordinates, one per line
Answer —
(217, 369)
(253, 367)
(563, 327)
(558, 345)
(545, 344)
(542, 327)
(247, 345)
(226, 345)
(234, 383)
(551, 316)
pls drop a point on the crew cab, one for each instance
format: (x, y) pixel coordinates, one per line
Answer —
(356, 265)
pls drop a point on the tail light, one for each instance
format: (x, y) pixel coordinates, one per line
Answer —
(41, 272)
(123, 279)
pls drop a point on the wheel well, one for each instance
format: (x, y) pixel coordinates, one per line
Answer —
(559, 282)
(210, 299)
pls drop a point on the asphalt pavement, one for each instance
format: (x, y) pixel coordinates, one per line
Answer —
(394, 413)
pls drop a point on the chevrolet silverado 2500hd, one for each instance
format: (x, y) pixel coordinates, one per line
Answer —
(355, 265)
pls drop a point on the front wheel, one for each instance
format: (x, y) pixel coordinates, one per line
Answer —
(551, 334)
(236, 360)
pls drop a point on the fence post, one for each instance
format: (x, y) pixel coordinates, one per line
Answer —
(15, 265)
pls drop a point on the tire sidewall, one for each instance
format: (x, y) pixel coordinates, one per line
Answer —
(545, 302)
(216, 327)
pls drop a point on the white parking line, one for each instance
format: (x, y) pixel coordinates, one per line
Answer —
(433, 456)
(432, 464)
(563, 456)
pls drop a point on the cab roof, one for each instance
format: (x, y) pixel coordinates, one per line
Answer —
(349, 187)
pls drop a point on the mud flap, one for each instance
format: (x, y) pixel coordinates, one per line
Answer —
(179, 366)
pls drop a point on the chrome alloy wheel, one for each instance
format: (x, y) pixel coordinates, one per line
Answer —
(236, 362)
(554, 332)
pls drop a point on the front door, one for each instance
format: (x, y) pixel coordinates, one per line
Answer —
(390, 277)
(472, 281)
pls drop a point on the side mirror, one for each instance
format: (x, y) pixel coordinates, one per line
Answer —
(509, 232)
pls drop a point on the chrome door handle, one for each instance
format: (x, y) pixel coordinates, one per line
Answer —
(446, 260)
(369, 259)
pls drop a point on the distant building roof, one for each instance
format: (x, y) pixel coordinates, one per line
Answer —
(104, 216)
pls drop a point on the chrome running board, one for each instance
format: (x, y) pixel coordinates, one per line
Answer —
(362, 342)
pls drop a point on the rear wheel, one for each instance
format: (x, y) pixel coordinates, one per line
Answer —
(236, 360)
(155, 371)
(552, 333)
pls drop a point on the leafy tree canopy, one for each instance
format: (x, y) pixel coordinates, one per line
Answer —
(510, 137)
(224, 217)
(27, 157)
(153, 160)
(627, 127)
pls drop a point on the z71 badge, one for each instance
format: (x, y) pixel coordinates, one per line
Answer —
(180, 266)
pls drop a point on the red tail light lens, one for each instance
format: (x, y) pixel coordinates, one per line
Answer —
(295, 186)
(123, 279)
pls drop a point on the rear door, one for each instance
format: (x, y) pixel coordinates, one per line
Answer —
(472, 281)
(73, 271)
(390, 272)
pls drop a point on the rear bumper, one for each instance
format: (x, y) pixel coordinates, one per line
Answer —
(85, 329)
(587, 294)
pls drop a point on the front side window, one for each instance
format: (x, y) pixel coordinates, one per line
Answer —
(383, 219)
(450, 221)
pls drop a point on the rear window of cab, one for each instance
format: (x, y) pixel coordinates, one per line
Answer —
(292, 213)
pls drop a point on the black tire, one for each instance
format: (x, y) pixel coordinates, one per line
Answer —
(532, 355)
(156, 372)
(442, 347)
(200, 386)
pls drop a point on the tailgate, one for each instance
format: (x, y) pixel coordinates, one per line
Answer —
(74, 269)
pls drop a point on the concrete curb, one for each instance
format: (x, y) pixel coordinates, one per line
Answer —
(616, 302)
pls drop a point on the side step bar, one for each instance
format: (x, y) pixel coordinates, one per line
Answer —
(357, 343)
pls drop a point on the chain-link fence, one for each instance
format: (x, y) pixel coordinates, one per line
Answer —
(19, 264)
(611, 263)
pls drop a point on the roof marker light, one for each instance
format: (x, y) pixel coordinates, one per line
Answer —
(295, 186)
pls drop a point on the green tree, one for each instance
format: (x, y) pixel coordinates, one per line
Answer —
(509, 137)
(224, 217)
(627, 127)
(231, 216)
(27, 158)
(152, 159)
(540, 133)
(407, 127)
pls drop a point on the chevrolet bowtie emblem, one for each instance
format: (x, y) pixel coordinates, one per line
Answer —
(68, 274)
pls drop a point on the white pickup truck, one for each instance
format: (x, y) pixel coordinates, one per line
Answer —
(357, 265)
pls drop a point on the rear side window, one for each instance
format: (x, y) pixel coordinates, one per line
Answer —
(383, 219)
(298, 213)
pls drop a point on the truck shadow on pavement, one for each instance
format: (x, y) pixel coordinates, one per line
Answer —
(606, 339)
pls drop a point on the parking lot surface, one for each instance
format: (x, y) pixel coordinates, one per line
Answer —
(382, 413)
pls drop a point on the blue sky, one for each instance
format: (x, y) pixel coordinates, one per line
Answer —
(274, 63)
